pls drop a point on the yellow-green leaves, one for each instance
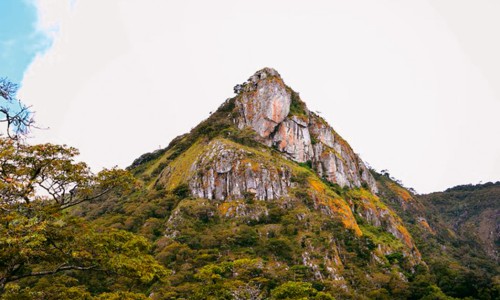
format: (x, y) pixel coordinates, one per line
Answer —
(51, 173)
(46, 253)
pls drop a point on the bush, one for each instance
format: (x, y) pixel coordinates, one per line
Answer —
(246, 236)
(396, 257)
(281, 248)
(307, 164)
(300, 178)
(294, 290)
(181, 191)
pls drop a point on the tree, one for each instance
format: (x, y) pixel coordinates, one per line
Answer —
(17, 116)
(39, 238)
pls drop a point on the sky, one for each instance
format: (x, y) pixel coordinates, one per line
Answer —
(413, 86)
(20, 40)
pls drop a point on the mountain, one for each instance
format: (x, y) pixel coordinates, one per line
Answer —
(472, 214)
(457, 232)
(264, 199)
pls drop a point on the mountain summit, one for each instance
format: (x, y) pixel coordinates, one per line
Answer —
(265, 145)
(280, 120)
(283, 121)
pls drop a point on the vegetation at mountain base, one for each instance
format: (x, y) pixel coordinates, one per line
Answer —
(230, 211)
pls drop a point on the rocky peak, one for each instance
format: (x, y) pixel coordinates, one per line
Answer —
(283, 121)
(264, 151)
(263, 102)
(252, 82)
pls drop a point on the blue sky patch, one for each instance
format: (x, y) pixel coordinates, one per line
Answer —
(20, 40)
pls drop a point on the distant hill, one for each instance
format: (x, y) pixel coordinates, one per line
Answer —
(457, 232)
(472, 212)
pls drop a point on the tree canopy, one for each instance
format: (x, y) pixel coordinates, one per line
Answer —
(41, 242)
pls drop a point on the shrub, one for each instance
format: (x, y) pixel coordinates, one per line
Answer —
(294, 290)
(181, 191)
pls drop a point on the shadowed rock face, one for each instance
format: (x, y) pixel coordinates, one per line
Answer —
(263, 104)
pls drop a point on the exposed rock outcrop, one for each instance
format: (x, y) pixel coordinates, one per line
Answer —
(225, 172)
(292, 137)
(263, 104)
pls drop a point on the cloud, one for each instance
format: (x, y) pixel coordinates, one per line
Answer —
(51, 15)
(125, 77)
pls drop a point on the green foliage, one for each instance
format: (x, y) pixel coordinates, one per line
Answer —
(246, 136)
(69, 245)
(45, 251)
(120, 296)
(275, 214)
(213, 254)
(281, 248)
(297, 106)
(305, 197)
(52, 169)
(147, 157)
(396, 257)
(463, 269)
(246, 236)
(380, 237)
(307, 165)
(300, 178)
(335, 187)
(181, 191)
(298, 290)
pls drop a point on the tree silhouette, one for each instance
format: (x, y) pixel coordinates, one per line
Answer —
(17, 116)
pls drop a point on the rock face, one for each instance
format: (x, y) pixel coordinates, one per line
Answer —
(225, 172)
(292, 137)
(264, 102)
(335, 160)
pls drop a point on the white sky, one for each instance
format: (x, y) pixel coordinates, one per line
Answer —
(413, 86)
